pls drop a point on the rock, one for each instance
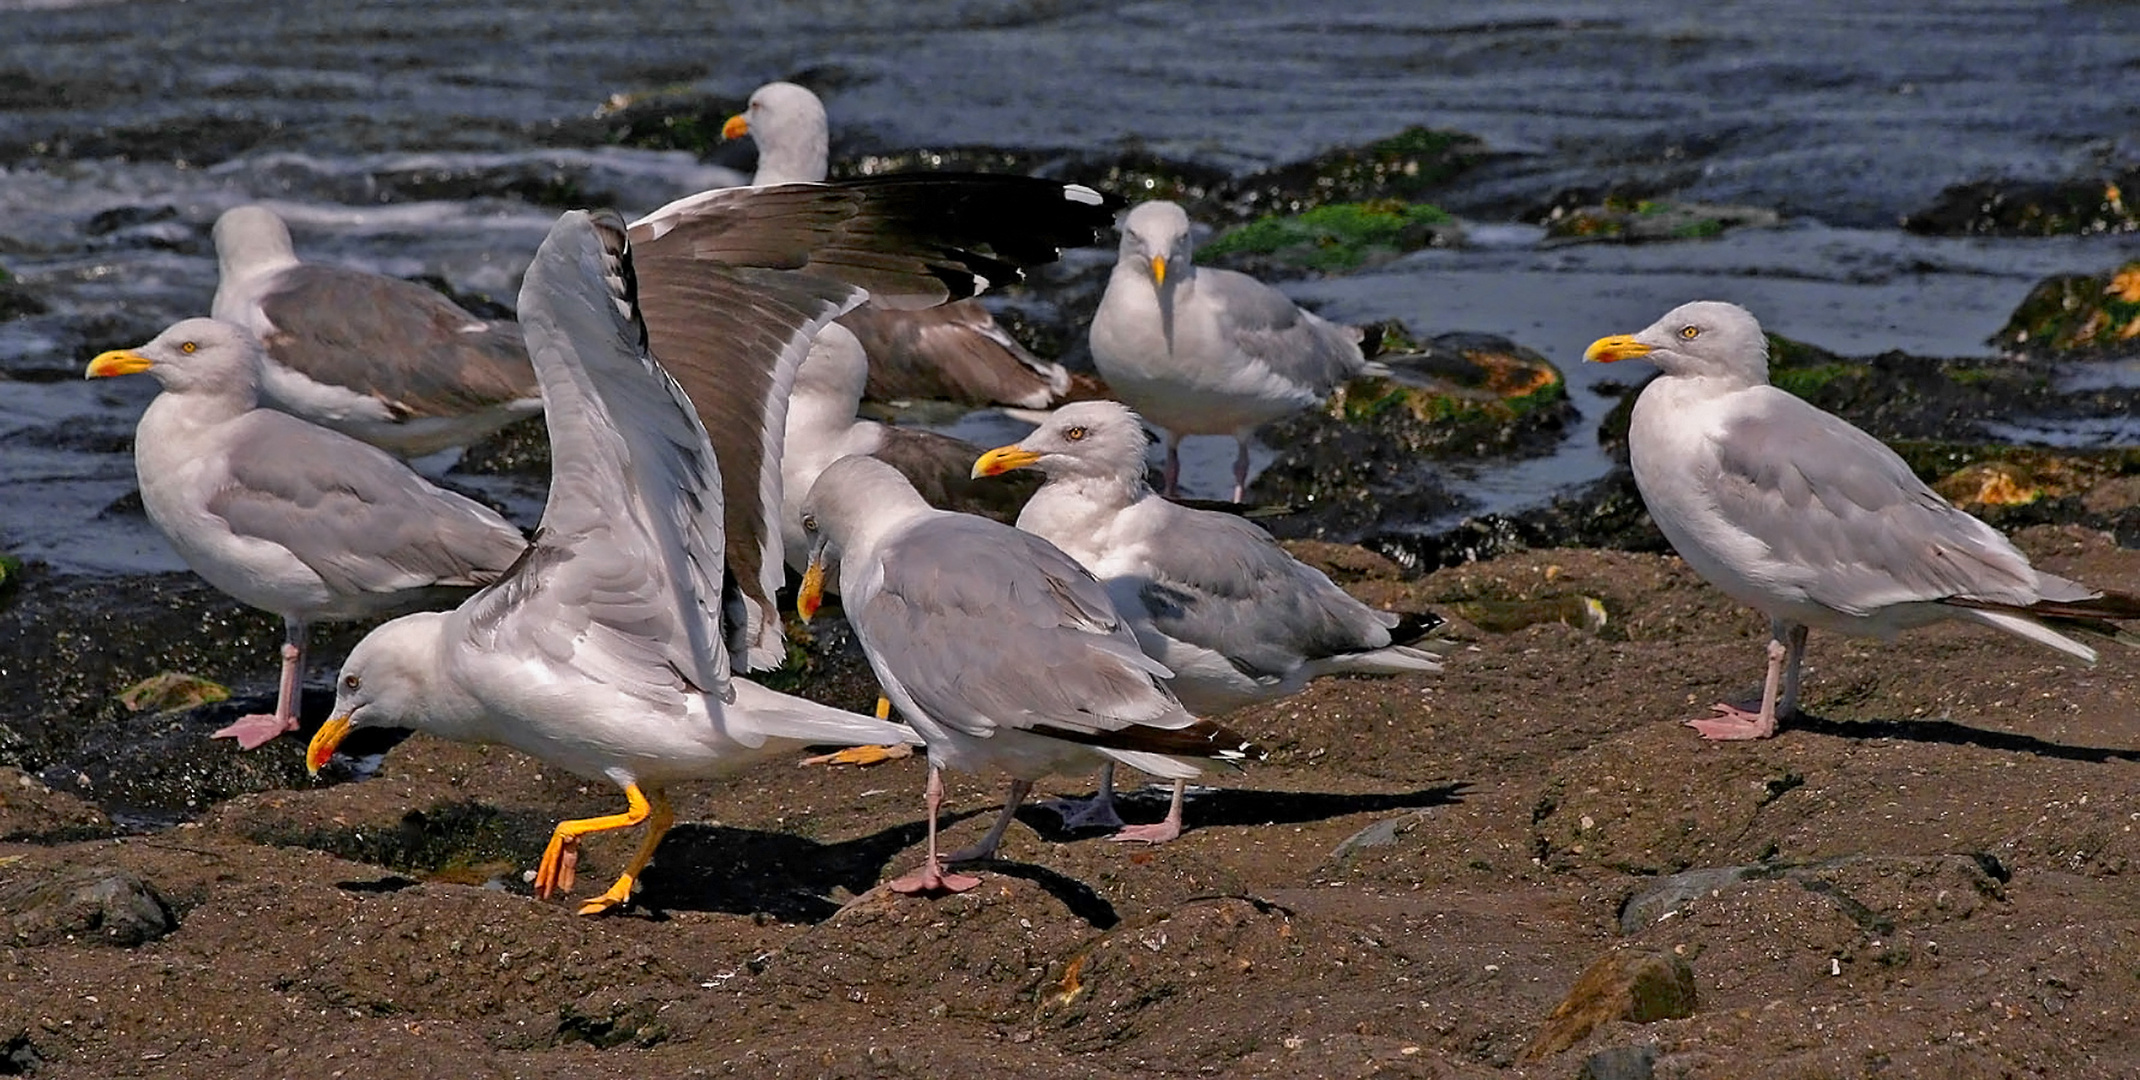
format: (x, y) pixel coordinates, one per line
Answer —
(19, 1056)
(167, 690)
(1636, 221)
(94, 903)
(1333, 237)
(29, 810)
(1639, 985)
(1620, 1063)
(1404, 166)
(1585, 613)
(2080, 206)
(2093, 316)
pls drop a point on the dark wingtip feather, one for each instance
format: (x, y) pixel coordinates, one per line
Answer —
(1371, 340)
(1414, 625)
(2112, 606)
(1202, 739)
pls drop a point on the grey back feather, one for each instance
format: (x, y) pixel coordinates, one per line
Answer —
(1272, 330)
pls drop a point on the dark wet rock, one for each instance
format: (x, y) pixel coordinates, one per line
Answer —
(17, 300)
(1646, 220)
(521, 448)
(184, 140)
(463, 842)
(29, 810)
(18, 1055)
(2088, 205)
(1406, 167)
(1332, 238)
(168, 690)
(1620, 1063)
(10, 572)
(2084, 316)
(1640, 985)
(99, 904)
(1359, 464)
(1606, 514)
(668, 119)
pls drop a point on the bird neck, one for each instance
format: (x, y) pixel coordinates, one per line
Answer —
(801, 161)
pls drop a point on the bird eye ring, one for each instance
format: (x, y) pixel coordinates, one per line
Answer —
(809, 522)
(352, 684)
(187, 347)
(1690, 332)
(1074, 434)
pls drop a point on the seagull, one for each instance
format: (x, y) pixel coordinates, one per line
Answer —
(1000, 650)
(385, 360)
(822, 428)
(1793, 511)
(603, 650)
(1209, 352)
(1208, 594)
(287, 516)
(951, 352)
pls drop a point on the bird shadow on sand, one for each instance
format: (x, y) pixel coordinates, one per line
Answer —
(1211, 808)
(751, 872)
(1949, 733)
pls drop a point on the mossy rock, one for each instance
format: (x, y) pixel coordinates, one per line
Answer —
(1334, 237)
(2078, 207)
(667, 118)
(1405, 167)
(1647, 220)
(2094, 315)
(168, 690)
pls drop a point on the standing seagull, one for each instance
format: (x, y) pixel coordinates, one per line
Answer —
(1209, 352)
(951, 352)
(385, 360)
(1793, 511)
(287, 516)
(603, 651)
(1208, 594)
(1001, 650)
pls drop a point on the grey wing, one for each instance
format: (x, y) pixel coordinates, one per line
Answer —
(354, 514)
(941, 470)
(1858, 529)
(1272, 331)
(988, 627)
(395, 340)
(953, 352)
(1221, 583)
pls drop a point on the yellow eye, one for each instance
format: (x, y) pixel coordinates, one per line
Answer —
(1074, 434)
(1689, 333)
(187, 347)
(352, 684)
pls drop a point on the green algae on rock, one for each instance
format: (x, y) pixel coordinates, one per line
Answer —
(2094, 315)
(1403, 166)
(1642, 220)
(1335, 236)
(168, 690)
(2078, 207)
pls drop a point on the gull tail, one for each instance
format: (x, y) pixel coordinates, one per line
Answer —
(2094, 614)
(783, 716)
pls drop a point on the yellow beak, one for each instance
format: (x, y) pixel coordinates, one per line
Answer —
(1605, 350)
(117, 362)
(1002, 460)
(329, 736)
(736, 127)
(811, 595)
(1159, 270)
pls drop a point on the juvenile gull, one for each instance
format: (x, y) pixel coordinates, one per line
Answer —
(1819, 525)
(1208, 594)
(287, 516)
(910, 240)
(1000, 650)
(953, 352)
(385, 360)
(604, 651)
(1199, 351)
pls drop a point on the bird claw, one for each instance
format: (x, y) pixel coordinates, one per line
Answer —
(256, 731)
(1732, 723)
(1159, 833)
(861, 755)
(931, 879)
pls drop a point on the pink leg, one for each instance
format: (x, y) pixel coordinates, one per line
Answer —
(1240, 467)
(1166, 830)
(986, 849)
(1732, 722)
(1097, 812)
(931, 878)
(1172, 473)
(253, 732)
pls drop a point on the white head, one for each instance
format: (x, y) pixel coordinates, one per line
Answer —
(195, 356)
(1155, 243)
(390, 680)
(854, 501)
(1087, 439)
(1705, 339)
(788, 124)
(250, 239)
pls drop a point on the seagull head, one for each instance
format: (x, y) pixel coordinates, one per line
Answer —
(1155, 242)
(788, 124)
(855, 502)
(385, 683)
(197, 354)
(1704, 339)
(1096, 439)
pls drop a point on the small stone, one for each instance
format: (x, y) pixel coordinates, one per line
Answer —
(1620, 1063)
(94, 903)
(1641, 985)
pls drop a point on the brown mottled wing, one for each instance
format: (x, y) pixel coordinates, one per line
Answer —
(953, 352)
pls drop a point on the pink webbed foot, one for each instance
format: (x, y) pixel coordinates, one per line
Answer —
(1149, 834)
(256, 731)
(1734, 723)
(931, 879)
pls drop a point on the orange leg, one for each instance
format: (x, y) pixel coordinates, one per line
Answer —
(555, 874)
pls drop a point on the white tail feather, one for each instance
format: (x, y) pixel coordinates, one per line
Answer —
(2023, 626)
